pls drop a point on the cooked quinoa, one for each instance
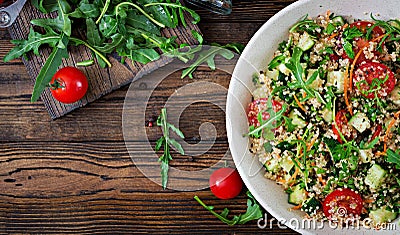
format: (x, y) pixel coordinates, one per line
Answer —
(325, 118)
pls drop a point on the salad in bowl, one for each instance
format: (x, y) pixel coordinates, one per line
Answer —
(321, 115)
(325, 118)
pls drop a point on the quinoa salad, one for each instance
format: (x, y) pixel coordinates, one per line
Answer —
(325, 118)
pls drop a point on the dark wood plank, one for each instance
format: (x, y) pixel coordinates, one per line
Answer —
(22, 120)
(95, 188)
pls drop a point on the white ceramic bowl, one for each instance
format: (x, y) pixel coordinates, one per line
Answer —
(255, 57)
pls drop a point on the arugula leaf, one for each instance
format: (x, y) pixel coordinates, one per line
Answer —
(298, 71)
(348, 48)
(45, 6)
(50, 67)
(144, 55)
(208, 57)
(92, 33)
(253, 212)
(167, 141)
(370, 145)
(350, 33)
(335, 148)
(306, 25)
(34, 41)
(277, 60)
(141, 22)
(108, 26)
(62, 23)
(198, 36)
(88, 9)
(289, 124)
(330, 28)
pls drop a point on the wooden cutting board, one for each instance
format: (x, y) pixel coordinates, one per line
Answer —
(101, 81)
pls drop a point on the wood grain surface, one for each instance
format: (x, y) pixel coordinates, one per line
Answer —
(73, 175)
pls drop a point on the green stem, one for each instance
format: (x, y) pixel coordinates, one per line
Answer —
(165, 4)
(155, 42)
(79, 41)
(105, 8)
(85, 63)
(212, 211)
(141, 11)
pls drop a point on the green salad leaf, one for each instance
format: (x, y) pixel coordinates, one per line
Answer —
(253, 212)
(50, 67)
(167, 141)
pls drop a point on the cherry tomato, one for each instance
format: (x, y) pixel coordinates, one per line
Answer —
(342, 203)
(69, 85)
(225, 183)
(363, 26)
(374, 78)
(261, 105)
(342, 124)
(377, 132)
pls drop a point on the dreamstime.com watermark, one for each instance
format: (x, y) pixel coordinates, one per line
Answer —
(314, 224)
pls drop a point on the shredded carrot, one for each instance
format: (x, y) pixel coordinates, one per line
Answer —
(391, 124)
(379, 153)
(396, 115)
(321, 180)
(346, 98)
(298, 207)
(356, 58)
(293, 177)
(299, 104)
(348, 83)
(282, 181)
(369, 200)
(328, 13)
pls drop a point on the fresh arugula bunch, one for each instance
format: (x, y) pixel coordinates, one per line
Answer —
(253, 212)
(132, 29)
(167, 141)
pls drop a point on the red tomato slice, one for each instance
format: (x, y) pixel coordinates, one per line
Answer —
(261, 105)
(363, 26)
(377, 132)
(225, 183)
(374, 78)
(342, 203)
(342, 124)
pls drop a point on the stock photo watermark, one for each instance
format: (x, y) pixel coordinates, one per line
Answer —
(341, 223)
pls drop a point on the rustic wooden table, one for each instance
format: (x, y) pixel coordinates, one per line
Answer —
(74, 174)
